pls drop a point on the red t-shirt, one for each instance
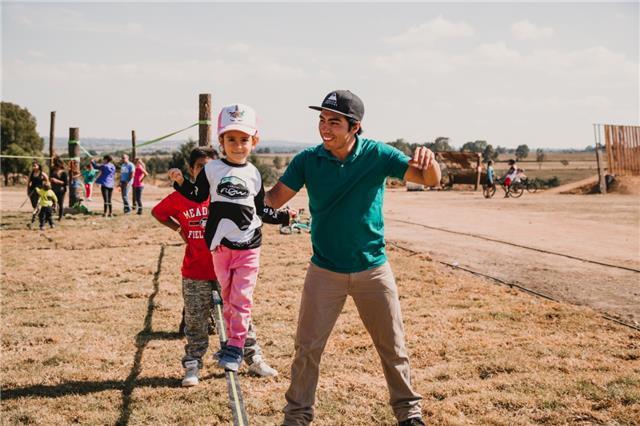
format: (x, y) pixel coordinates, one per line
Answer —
(192, 217)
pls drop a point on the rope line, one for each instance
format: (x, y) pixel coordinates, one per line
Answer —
(77, 142)
(511, 285)
(610, 265)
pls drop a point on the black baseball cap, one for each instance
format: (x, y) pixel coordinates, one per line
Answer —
(343, 102)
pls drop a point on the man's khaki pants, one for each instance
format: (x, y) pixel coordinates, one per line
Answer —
(376, 296)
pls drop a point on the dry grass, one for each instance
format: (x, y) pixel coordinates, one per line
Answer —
(89, 337)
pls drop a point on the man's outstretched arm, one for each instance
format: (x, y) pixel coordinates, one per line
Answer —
(278, 196)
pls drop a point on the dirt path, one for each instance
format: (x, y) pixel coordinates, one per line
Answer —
(603, 229)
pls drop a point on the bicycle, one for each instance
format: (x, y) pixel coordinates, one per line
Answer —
(297, 225)
(530, 185)
(515, 190)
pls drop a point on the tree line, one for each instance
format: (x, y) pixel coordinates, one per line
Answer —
(20, 138)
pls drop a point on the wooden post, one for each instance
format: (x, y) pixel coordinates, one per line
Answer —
(478, 172)
(204, 130)
(52, 131)
(601, 178)
(74, 163)
(133, 145)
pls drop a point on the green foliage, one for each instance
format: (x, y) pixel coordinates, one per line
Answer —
(477, 146)
(441, 144)
(403, 146)
(552, 182)
(18, 137)
(156, 164)
(564, 162)
(269, 175)
(540, 155)
(277, 162)
(489, 154)
(180, 158)
(265, 150)
(522, 151)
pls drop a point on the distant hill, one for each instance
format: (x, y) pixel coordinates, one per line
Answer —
(105, 145)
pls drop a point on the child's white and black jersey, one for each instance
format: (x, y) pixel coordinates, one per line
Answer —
(236, 209)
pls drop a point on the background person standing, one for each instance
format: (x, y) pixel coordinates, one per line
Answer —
(139, 174)
(59, 181)
(126, 176)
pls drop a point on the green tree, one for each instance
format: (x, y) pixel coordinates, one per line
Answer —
(277, 162)
(268, 174)
(441, 144)
(402, 145)
(522, 151)
(18, 137)
(477, 146)
(180, 158)
(489, 154)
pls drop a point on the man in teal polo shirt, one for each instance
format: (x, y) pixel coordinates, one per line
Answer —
(345, 179)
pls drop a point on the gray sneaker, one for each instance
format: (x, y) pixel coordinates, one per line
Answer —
(259, 367)
(231, 358)
(191, 372)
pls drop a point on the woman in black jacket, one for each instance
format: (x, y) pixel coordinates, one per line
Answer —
(59, 182)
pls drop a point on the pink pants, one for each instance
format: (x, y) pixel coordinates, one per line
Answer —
(237, 272)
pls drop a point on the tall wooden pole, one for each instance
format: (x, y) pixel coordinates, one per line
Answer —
(478, 172)
(52, 131)
(602, 184)
(133, 145)
(74, 168)
(204, 130)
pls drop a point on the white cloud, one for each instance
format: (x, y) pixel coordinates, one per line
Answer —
(436, 29)
(544, 103)
(409, 62)
(36, 54)
(525, 30)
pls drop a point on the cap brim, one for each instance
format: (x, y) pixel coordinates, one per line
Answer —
(239, 127)
(317, 108)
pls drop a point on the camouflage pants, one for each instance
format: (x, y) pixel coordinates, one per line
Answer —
(197, 311)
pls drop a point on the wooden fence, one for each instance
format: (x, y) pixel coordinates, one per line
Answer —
(623, 149)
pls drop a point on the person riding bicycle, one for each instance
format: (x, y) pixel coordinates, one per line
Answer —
(510, 176)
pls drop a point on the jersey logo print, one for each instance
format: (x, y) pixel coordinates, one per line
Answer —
(232, 187)
(202, 223)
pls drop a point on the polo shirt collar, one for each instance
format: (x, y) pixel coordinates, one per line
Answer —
(357, 149)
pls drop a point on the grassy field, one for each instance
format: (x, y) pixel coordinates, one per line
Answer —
(90, 312)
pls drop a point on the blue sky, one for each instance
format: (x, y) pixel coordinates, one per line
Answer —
(508, 73)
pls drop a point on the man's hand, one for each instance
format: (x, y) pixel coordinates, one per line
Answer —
(422, 158)
(176, 176)
(423, 168)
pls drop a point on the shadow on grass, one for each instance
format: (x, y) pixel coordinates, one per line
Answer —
(141, 342)
(127, 386)
(84, 388)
